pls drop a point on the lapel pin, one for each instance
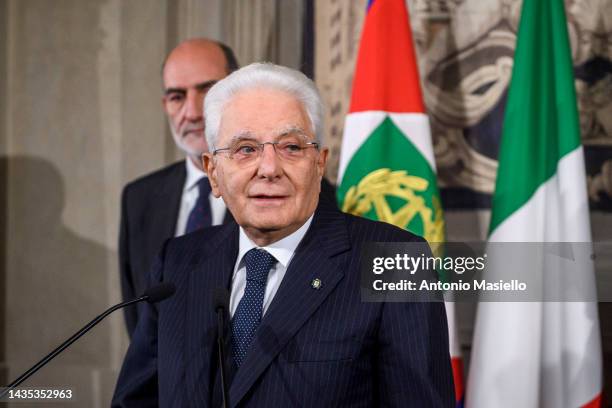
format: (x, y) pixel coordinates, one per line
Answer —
(316, 283)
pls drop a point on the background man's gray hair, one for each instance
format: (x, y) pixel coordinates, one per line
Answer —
(262, 75)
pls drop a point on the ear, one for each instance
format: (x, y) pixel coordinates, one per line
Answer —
(322, 160)
(210, 167)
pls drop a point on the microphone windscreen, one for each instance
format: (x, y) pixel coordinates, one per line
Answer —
(220, 298)
(159, 292)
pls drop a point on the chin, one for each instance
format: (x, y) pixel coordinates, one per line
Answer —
(268, 222)
(269, 225)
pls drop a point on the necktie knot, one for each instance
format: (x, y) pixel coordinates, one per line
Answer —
(258, 264)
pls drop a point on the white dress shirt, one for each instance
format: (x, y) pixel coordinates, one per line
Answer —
(282, 250)
(190, 197)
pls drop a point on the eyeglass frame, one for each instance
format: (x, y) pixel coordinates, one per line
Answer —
(261, 146)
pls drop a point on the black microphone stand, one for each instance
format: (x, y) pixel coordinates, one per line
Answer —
(152, 295)
(64, 345)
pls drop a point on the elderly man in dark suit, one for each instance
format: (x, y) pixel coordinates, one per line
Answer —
(176, 199)
(299, 334)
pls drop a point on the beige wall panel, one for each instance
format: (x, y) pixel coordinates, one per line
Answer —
(83, 117)
(196, 18)
(141, 50)
(3, 64)
(3, 181)
(264, 30)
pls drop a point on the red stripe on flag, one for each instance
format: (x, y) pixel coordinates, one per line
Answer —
(595, 403)
(386, 75)
(457, 365)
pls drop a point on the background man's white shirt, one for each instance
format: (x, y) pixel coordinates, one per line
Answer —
(190, 197)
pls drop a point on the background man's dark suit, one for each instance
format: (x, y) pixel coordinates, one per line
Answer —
(313, 348)
(149, 212)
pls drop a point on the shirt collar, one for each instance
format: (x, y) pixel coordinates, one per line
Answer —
(193, 174)
(282, 250)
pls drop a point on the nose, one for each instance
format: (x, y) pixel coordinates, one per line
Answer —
(269, 164)
(193, 106)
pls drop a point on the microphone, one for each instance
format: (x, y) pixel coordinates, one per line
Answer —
(221, 306)
(157, 293)
(152, 295)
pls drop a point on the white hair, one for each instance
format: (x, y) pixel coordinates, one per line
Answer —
(262, 75)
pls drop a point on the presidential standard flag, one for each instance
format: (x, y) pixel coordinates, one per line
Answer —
(387, 170)
(539, 354)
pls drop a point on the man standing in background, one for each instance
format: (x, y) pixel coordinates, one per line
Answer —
(176, 199)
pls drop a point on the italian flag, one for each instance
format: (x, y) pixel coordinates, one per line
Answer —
(539, 354)
(387, 169)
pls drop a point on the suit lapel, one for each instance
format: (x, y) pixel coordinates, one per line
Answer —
(210, 268)
(296, 299)
(165, 208)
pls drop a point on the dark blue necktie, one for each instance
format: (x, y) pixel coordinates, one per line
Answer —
(201, 215)
(248, 313)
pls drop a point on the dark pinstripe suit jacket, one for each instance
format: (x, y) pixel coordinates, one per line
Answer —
(149, 212)
(314, 348)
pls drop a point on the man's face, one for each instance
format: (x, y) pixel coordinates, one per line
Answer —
(190, 70)
(271, 196)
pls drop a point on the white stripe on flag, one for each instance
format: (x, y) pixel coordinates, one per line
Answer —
(360, 125)
(540, 354)
(558, 210)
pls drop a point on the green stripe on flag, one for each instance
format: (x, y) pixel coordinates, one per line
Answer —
(541, 121)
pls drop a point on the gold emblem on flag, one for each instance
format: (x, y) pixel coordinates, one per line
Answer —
(372, 189)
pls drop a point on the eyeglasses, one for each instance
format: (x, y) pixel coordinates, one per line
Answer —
(246, 151)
